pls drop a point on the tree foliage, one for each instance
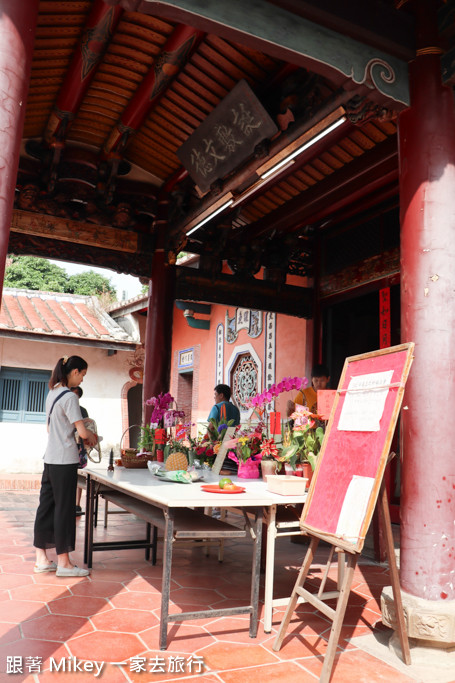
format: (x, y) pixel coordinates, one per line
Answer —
(28, 272)
(90, 283)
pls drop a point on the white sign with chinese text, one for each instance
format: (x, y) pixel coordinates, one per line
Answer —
(364, 402)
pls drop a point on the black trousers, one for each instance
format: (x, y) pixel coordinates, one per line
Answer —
(55, 522)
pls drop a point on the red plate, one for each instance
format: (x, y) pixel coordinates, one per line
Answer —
(214, 488)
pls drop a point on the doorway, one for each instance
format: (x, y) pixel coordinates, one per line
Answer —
(185, 394)
(351, 327)
(134, 399)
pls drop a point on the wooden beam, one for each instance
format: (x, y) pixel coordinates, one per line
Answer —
(68, 230)
(288, 37)
(138, 264)
(194, 285)
(374, 22)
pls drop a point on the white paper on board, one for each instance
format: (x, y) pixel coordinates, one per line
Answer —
(364, 402)
(354, 508)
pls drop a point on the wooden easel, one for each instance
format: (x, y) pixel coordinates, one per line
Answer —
(365, 458)
(337, 615)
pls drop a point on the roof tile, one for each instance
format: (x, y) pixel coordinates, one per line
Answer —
(54, 314)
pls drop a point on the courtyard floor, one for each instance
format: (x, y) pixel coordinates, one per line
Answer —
(55, 629)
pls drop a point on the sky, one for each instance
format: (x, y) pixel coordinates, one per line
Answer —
(122, 283)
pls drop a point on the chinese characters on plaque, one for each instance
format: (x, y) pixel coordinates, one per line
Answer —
(227, 137)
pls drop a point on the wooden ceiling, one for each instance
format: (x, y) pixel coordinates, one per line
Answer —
(112, 143)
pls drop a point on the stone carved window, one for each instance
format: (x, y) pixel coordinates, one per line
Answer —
(244, 380)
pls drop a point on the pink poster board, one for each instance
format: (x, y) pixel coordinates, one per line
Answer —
(354, 454)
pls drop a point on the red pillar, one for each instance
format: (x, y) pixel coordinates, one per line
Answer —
(17, 34)
(158, 333)
(427, 194)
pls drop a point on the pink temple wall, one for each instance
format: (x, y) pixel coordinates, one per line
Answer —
(290, 353)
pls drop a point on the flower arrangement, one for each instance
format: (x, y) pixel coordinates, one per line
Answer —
(205, 448)
(269, 449)
(162, 415)
(246, 445)
(153, 434)
(286, 384)
(216, 430)
(304, 440)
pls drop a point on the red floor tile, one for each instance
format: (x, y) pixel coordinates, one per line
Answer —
(9, 632)
(56, 627)
(113, 615)
(104, 646)
(203, 596)
(231, 629)
(182, 637)
(27, 647)
(96, 589)
(8, 581)
(39, 593)
(21, 610)
(134, 600)
(124, 620)
(78, 606)
(298, 646)
(109, 674)
(275, 673)
(222, 656)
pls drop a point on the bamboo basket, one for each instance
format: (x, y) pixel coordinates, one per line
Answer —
(129, 456)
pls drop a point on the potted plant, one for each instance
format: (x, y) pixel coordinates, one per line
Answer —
(247, 453)
(162, 417)
(303, 442)
(270, 454)
(205, 447)
(146, 441)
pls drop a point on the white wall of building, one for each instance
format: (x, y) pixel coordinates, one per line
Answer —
(23, 445)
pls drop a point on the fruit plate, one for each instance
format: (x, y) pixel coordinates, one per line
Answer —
(214, 488)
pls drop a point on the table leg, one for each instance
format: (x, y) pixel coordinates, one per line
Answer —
(269, 567)
(89, 510)
(256, 573)
(155, 544)
(86, 521)
(166, 576)
(148, 529)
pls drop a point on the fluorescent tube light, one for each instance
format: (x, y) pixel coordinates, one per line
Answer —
(210, 216)
(301, 149)
(259, 184)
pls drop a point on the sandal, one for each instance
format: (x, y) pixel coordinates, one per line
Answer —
(43, 568)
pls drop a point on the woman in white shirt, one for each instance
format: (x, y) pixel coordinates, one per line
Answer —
(55, 522)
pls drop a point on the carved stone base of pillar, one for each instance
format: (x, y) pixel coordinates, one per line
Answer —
(430, 625)
(424, 655)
